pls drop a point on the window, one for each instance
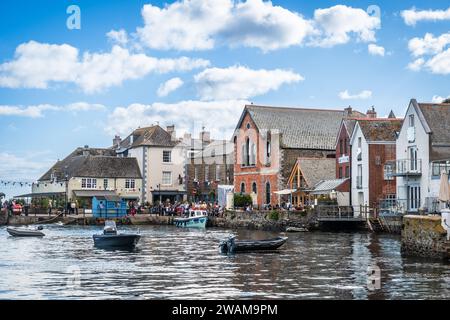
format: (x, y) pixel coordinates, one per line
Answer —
(412, 158)
(411, 120)
(345, 146)
(268, 193)
(167, 178)
(105, 184)
(206, 173)
(196, 173)
(359, 142)
(242, 187)
(247, 151)
(218, 172)
(88, 183)
(213, 153)
(438, 167)
(388, 172)
(347, 171)
(268, 146)
(341, 147)
(167, 156)
(340, 172)
(248, 125)
(254, 190)
(130, 184)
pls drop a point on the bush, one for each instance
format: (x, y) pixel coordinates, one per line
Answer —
(274, 215)
(242, 200)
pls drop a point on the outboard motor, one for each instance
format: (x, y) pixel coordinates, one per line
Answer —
(445, 221)
(40, 228)
(227, 245)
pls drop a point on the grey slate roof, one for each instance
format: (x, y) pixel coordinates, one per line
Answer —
(300, 128)
(326, 186)
(384, 129)
(95, 163)
(437, 116)
(149, 136)
(217, 147)
(317, 169)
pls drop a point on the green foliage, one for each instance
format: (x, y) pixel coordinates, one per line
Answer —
(242, 200)
(274, 215)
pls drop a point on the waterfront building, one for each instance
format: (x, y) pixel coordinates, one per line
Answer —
(161, 158)
(423, 152)
(269, 140)
(372, 150)
(208, 168)
(87, 173)
(306, 175)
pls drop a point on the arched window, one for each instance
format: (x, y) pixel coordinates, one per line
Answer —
(247, 151)
(267, 192)
(254, 190)
(268, 146)
(242, 187)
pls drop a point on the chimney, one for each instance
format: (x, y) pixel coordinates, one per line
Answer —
(348, 111)
(205, 136)
(171, 131)
(86, 150)
(371, 113)
(116, 141)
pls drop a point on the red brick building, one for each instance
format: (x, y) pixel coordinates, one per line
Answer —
(269, 140)
(373, 149)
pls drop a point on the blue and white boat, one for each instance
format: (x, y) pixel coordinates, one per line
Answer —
(195, 219)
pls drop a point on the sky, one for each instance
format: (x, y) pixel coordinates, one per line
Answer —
(69, 80)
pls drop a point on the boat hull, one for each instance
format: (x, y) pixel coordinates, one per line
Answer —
(231, 245)
(194, 222)
(16, 232)
(116, 241)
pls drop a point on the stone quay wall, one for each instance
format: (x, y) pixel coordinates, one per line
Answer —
(424, 236)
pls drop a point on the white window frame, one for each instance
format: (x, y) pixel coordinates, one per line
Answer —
(167, 156)
(88, 183)
(217, 172)
(130, 184)
(105, 184)
(164, 181)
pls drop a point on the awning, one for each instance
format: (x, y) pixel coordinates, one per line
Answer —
(285, 191)
(109, 198)
(326, 186)
(94, 193)
(41, 195)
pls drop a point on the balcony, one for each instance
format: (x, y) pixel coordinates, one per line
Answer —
(407, 168)
(358, 182)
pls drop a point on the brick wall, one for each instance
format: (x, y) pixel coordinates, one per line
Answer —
(379, 154)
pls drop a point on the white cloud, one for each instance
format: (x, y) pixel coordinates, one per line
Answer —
(30, 111)
(119, 37)
(429, 44)
(37, 65)
(336, 24)
(202, 24)
(38, 111)
(222, 116)
(169, 86)
(375, 50)
(416, 65)
(438, 99)
(433, 53)
(24, 166)
(239, 82)
(365, 94)
(412, 16)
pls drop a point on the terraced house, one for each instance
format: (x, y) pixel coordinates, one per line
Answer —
(269, 140)
(423, 152)
(90, 172)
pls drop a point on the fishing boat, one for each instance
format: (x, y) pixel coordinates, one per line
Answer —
(230, 245)
(112, 239)
(196, 219)
(26, 232)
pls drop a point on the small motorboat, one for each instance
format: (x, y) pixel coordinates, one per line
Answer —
(111, 239)
(195, 219)
(230, 245)
(26, 232)
(296, 229)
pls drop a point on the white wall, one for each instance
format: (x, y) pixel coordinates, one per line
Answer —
(422, 144)
(365, 169)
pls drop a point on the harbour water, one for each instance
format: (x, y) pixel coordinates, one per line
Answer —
(171, 263)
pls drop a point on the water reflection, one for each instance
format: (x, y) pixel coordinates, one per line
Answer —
(182, 263)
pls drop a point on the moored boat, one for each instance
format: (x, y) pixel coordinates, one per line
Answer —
(112, 239)
(196, 219)
(25, 232)
(230, 245)
(296, 229)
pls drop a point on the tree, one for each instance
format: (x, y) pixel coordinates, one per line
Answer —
(446, 100)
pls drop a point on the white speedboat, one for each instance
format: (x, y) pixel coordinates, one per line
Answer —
(25, 232)
(196, 219)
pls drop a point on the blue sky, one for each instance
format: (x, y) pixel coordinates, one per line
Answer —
(61, 88)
